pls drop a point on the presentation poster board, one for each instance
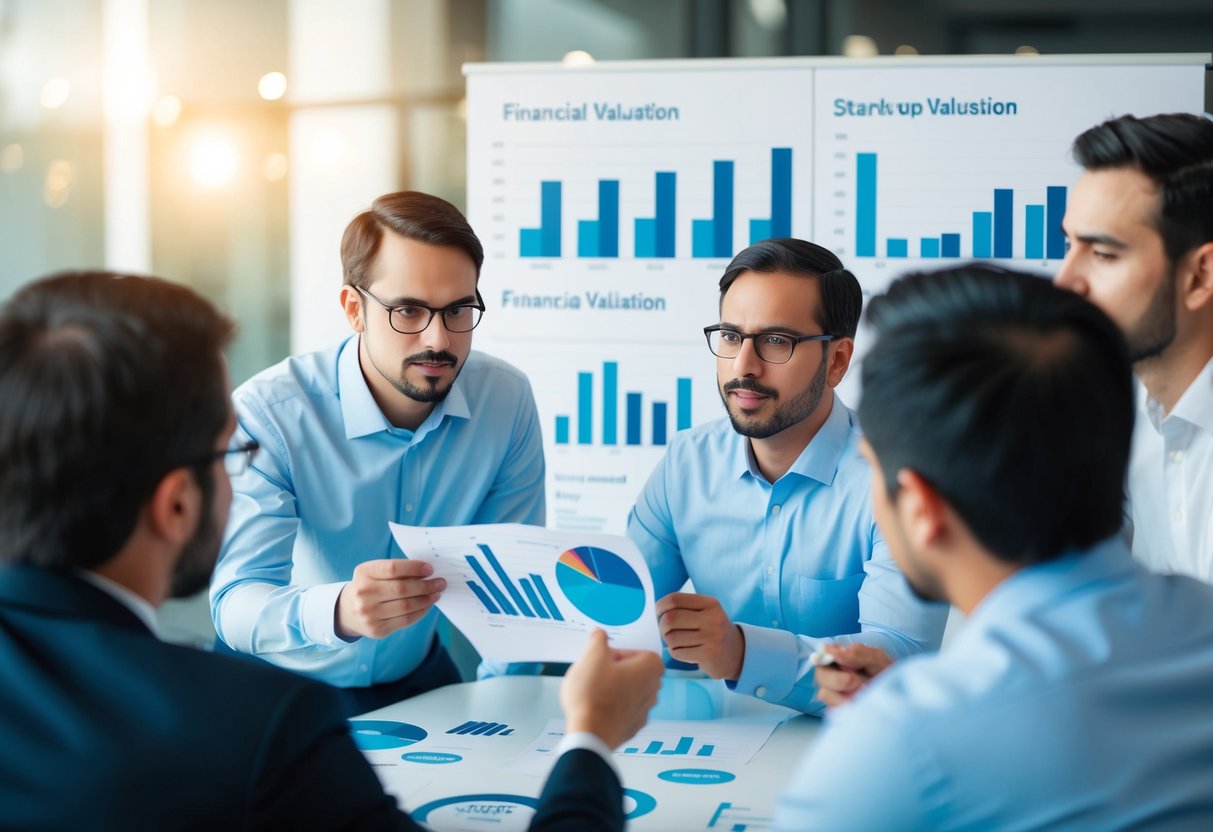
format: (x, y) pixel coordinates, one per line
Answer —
(610, 198)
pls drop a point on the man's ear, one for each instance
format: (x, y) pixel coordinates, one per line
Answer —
(351, 305)
(172, 512)
(1196, 287)
(840, 360)
(921, 509)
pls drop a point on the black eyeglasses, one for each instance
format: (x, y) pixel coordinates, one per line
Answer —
(772, 347)
(235, 460)
(411, 318)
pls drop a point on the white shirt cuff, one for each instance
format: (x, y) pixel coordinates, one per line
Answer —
(590, 742)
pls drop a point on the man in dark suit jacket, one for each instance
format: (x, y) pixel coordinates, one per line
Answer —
(114, 430)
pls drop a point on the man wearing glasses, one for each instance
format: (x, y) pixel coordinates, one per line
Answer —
(401, 422)
(768, 512)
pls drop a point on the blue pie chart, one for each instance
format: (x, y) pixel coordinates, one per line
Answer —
(601, 584)
(377, 734)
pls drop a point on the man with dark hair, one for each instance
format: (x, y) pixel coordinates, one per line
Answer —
(1140, 225)
(400, 422)
(115, 427)
(997, 413)
(767, 512)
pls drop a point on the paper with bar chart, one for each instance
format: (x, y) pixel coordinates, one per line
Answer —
(521, 593)
(709, 743)
(928, 163)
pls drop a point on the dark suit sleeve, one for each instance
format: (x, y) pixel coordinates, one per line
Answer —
(582, 795)
(311, 775)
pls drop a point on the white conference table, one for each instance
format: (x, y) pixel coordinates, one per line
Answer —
(478, 780)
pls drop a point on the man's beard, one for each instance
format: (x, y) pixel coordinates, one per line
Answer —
(794, 412)
(192, 573)
(1155, 329)
(431, 392)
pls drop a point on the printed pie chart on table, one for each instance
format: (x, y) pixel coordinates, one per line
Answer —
(377, 734)
(601, 585)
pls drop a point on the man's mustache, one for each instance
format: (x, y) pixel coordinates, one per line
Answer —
(750, 385)
(432, 357)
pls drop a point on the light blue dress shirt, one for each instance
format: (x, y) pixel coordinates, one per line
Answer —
(331, 473)
(797, 563)
(1079, 695)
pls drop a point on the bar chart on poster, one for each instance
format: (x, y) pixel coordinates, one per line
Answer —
(932, 164)
(610, 199)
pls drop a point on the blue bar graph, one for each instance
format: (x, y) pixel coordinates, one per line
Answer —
(983, 229)
(865, 205)
(655, 236)
(544, 241)
(585, 408)
(610, 402)
(632, 416)
(714, 237)
(1034, 232)
(684, 403)
(1055, 239)
(993, 227)
(536, 604)
(548, 600)
(484, 599)
(502, 595)
(659, 423)
(600, 237)
(633, 420)
(779, 224)
(1004, 209)
(505, 579)
(472, 728)
(681, 749)
(503, 603)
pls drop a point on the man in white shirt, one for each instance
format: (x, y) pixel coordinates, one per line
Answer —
(1140, 226)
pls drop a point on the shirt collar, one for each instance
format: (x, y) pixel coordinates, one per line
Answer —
(132, 601)
(1195, 406)
(1038, 586)
(819, 459)
(361, 413)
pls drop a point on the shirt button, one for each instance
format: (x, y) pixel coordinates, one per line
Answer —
(1179, 517)
(770, 570)
(362, 668)
(761, 691)
(775, 622)
(328, 639)
(1176, 456)
(774, 509)
(408, 506)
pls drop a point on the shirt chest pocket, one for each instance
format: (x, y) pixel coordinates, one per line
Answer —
(826, 608)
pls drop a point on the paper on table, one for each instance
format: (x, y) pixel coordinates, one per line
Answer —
(524, 593)
(708, 743)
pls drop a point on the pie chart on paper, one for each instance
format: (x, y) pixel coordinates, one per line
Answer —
(376, 734)
(601, 585)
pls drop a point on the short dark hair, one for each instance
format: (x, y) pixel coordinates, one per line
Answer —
(1176, 152)
(1011, 397)
(107, 383)
(413, 215)
(841, 297)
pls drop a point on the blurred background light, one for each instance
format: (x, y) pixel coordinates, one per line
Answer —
(272, 86)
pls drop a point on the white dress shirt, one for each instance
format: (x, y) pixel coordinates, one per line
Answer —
(1171, 482)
